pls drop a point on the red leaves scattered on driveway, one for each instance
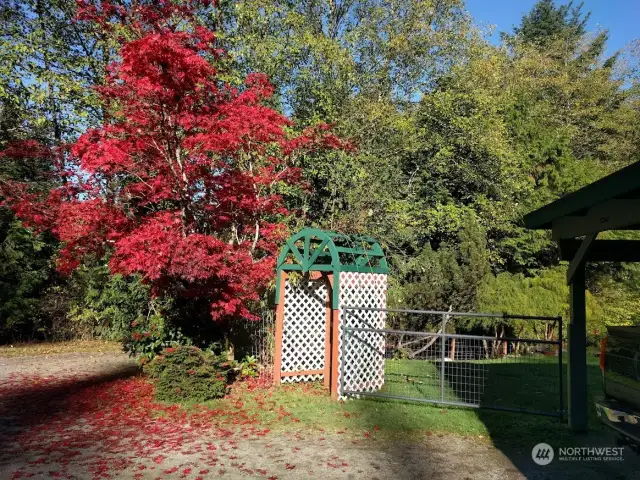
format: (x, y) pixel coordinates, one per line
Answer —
(109, 427)
(90, 429)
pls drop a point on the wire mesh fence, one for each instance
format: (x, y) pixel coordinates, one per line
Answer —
(438, 366)
(259, 344)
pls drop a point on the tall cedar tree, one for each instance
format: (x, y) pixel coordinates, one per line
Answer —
(547, 21)
(182, 183)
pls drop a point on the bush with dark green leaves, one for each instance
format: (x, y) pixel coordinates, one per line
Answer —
(105, 305)
(26, 272)
(184, 374)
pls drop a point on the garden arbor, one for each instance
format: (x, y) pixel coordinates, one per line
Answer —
(575, 220)
(318, 272)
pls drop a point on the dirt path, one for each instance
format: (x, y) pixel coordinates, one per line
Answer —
(75, 416)
(68, 364)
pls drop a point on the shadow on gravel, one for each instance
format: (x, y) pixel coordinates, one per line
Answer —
(29, 404)
(515, 434)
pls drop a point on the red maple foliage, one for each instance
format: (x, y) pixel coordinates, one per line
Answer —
(182, 183)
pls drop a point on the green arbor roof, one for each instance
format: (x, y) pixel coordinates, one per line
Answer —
(312, 249)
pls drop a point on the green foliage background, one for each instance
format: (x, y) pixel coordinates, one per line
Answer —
(457, 139)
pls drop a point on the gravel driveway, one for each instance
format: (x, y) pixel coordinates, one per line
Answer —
(87, 416)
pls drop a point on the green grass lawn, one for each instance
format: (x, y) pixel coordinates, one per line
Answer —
(526, 382)
(309, 406)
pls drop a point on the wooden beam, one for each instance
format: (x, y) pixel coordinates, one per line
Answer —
(619, 184)
(581, 255)
(618, 214)
(603, 250)
(302, 372)
(335, 353)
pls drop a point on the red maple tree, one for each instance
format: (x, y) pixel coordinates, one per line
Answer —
(181, 183)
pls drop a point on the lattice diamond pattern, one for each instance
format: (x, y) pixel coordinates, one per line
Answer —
(363, 352)
(304, 328)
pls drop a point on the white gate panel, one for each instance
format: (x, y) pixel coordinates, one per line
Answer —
(362, 352)
(304, 328)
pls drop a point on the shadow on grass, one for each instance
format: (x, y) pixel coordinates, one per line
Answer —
(533, 386)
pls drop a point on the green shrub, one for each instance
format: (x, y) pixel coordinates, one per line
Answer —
(189, 374)
(26, 271)
(148, 336)
(104, 305)
(249, 367)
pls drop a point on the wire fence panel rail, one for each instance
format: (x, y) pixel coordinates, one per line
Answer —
(505, 371)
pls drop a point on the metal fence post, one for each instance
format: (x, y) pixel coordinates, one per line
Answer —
(443, 341)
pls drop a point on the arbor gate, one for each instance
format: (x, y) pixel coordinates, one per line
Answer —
(317, 272)
(504, 371)
(370, 350)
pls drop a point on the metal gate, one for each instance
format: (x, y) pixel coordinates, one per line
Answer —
(504, 371)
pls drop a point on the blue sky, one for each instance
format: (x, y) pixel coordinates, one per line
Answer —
(620, 17)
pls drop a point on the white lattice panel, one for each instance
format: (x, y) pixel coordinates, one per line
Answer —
(363, 352)
(304, 329)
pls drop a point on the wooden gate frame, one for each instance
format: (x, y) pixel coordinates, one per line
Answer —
(331, 349)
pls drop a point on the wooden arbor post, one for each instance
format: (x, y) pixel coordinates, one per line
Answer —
(333, 347)
(277, 354)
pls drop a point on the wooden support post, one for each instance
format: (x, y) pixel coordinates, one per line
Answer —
(333, 340)
(277, 356)
(577, 363)
(335, 352)
(452, 349)
(327, 337)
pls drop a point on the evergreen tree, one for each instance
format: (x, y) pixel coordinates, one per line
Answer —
(547, 22)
